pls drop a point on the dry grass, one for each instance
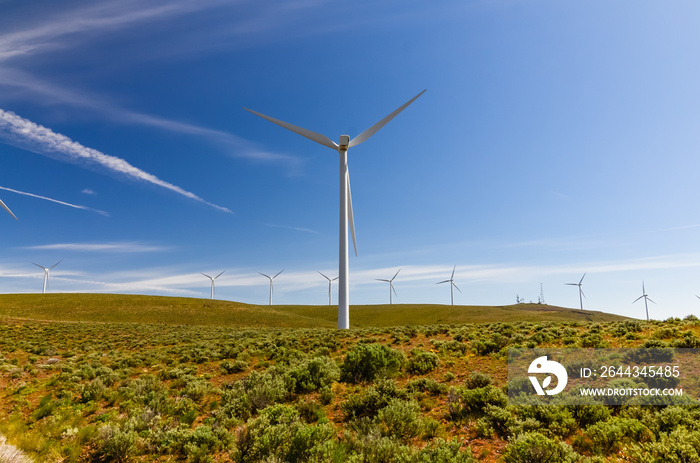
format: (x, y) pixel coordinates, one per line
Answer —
(123, 308)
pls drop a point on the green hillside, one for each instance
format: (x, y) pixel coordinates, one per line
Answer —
(125, 308)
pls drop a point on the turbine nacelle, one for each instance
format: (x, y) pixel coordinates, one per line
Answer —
(344, 143)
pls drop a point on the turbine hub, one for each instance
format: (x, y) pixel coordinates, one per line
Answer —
(344, 142)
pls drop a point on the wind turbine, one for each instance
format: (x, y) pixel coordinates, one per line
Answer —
(343, 145)
(329, 286)
(391, 286)
(646, 298)
(451, 281)
(212, 281)
(7, 209)
(580, 290)
(271, 278)
(46, 273)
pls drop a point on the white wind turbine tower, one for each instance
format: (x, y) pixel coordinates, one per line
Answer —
(580, 290)
(212, 281)
(271, 285)
(330, 281)
(646, 298)
(46, 273)
(7, 209)
(391, 286)
(343, 145)
(451, 281)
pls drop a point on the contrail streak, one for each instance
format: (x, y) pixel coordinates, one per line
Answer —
(25, 134)
(85, 208)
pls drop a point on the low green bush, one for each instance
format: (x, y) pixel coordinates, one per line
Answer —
(533, 447)
(478, 379)
(366, 362)
(314, 374)
(422, 362)
(400, 419)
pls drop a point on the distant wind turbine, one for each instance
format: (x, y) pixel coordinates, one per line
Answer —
(212, 281)
(343, 145)
(7, 209)
(391, 286)
(580, 290)
(646, 298)
(271, 285)
(451, 281)
(329, 286)
(46, 273)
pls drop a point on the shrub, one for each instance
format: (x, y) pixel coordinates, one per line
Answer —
(237, 366)
(369, 402)
(427, 385)
(478, 379)
(442, 451)
(466, 403)
(586, 415)
(400, 419)
(278, 432)
(609, 436)
(533, 447)
(552, 420)
(115, 444)
(679, 446)
(256, 391)
(422, 362)
(314, 374)
(94, 390)
(497, 419)
(365, 362)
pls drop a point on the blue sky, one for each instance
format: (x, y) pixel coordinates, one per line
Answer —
(555, 139)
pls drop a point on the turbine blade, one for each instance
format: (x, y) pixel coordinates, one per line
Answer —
(640, 297)
(56, 264)
(268, 276)
(453, 284)
(392, 279)
(350, 215)
(40, 266)
(334, 278)
(582, 293)
(278, 273)
(379, 279)
(219, 275)
(649, 299)
(571, 284)
(7, 209)
(324, 276)
(584, 276)
(364, 136)
(446, 281)
(392, 287)
(317, 137)
(453, 272)
(207, 276)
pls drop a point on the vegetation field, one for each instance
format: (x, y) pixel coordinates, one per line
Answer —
(126, 389)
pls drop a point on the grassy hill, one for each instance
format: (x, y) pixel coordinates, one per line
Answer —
(98, 377)
(124, 308)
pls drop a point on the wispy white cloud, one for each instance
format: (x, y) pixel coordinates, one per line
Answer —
(76, 206)
(88, 191)
(231, 144)
(288, 227)
(118, 247)
(56, 30)
(25, 134)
